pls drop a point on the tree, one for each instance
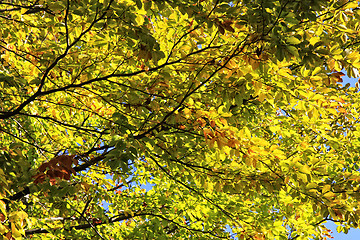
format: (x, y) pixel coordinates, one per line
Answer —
(187, 119)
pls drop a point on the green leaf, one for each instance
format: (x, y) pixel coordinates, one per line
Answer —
(293, 40)
(292, 50)
(138, 4)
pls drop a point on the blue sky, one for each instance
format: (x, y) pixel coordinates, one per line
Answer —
(353, 234)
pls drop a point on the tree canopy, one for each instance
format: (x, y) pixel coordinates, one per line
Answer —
(178, 119)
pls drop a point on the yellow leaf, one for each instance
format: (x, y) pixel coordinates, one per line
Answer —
(317, 97)
(285, 72)
(357, 65)
(331, 63)
(248, 161)
(247, 132)
(23, 10)
(139, 19)
(326, 189)
(22, 215)
(353, 4)
(187, 112)
(261, 97)
(332, 111)
(311, 185)
(15, 232)
(79, 140)
(314, 40)
(293, 40)
(232, 64)
(305, 169)
(316, 70)
(2, 229)
(303, 177)
(257, 87)
(316, 78)
(338, 57)
(316, 113)
(329, 195)
(3, 207)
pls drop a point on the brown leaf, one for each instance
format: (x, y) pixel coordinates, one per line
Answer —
(39, 178)
(2, 217)
(338, 76)
(52, 181)
(43, 167)
(221, 30)
(227, 23)
(229, 28)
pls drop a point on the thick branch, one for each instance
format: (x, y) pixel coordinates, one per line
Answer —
(82, 226)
